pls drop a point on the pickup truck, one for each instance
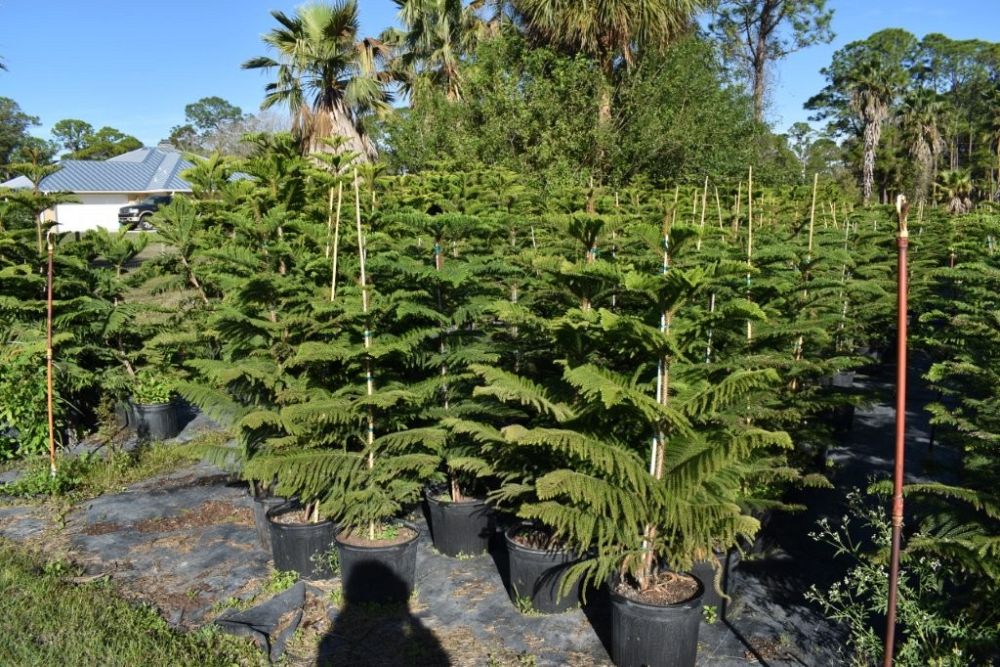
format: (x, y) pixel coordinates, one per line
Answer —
(138, 215)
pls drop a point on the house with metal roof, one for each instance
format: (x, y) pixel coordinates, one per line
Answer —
(104, 186)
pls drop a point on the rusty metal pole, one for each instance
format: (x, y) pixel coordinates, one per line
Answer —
(48, 361)
(902, 243)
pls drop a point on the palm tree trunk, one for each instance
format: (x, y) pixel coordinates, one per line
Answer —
(337, 122)
(868, 168)
(604, 101)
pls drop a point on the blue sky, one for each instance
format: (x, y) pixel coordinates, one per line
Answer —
(135, 65)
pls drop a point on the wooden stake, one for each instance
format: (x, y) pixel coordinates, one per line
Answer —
(736, 218)
(800, 342)
(369, 380)
(48, 361)
(749, 243)
(812, 212)
(718, 206)
(336, 242)
(329, 224)
(704, 199)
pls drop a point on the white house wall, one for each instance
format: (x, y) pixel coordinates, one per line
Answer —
(91, 212)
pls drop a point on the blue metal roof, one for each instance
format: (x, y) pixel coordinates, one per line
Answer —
(142, 170)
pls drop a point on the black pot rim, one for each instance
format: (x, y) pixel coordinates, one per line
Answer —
(684, 604)
(274, 501)
(511, 543)
(467, 502)
(286, 507)
(152, 405)
(386, 549)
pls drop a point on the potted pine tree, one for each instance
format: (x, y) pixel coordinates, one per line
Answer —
(358, 380)
(539, 558)
(459, 289)
(651, 451)
(264, 363)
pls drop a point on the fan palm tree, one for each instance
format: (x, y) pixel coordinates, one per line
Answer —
(921, 121)
(872, 89)
(331, 81)
(437, 34)
(610, 31)
(956, 188)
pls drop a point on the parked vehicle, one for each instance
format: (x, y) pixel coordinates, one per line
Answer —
(138, 215)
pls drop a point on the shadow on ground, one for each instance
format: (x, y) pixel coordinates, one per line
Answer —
(377, 635)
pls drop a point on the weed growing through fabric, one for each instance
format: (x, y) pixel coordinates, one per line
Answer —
(279, 581)
(231, 602)
(330, 557)
(710, 614)
(525, 606)
(336, 596)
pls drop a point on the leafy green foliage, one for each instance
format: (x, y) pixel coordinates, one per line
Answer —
(24, 426)
(935, 628)
(151, 388)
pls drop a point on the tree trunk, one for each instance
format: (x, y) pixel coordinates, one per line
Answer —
(604, 103)
(333, 123)
(868, 168)
(759, 81)
(604, 100)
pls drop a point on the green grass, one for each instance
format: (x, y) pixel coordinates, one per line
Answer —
(50, 621)
(89, 476)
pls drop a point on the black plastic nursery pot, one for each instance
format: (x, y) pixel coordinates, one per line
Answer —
(459, 528)
(261, 506)
(704, 571)
(842, 418)
(537, 575)
(842, 379)
(123, 415)
(302, 547)
(156, 421)
(379, 574)
(648, 635)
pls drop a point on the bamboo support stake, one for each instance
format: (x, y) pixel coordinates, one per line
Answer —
(48, 359)
(660, 372)
(656, 459)
(711, 330)
(704, 199)
(329, 224)
(336, 242)
(812, 212)
(614, 246)
(843, 280)
(800, 343)
(718, 206)
(739, 200)
(749, 243)
(369, 380)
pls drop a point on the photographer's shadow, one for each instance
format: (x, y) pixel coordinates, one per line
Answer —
(378, 634)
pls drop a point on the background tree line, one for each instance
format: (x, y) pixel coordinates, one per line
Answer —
(661, 91)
